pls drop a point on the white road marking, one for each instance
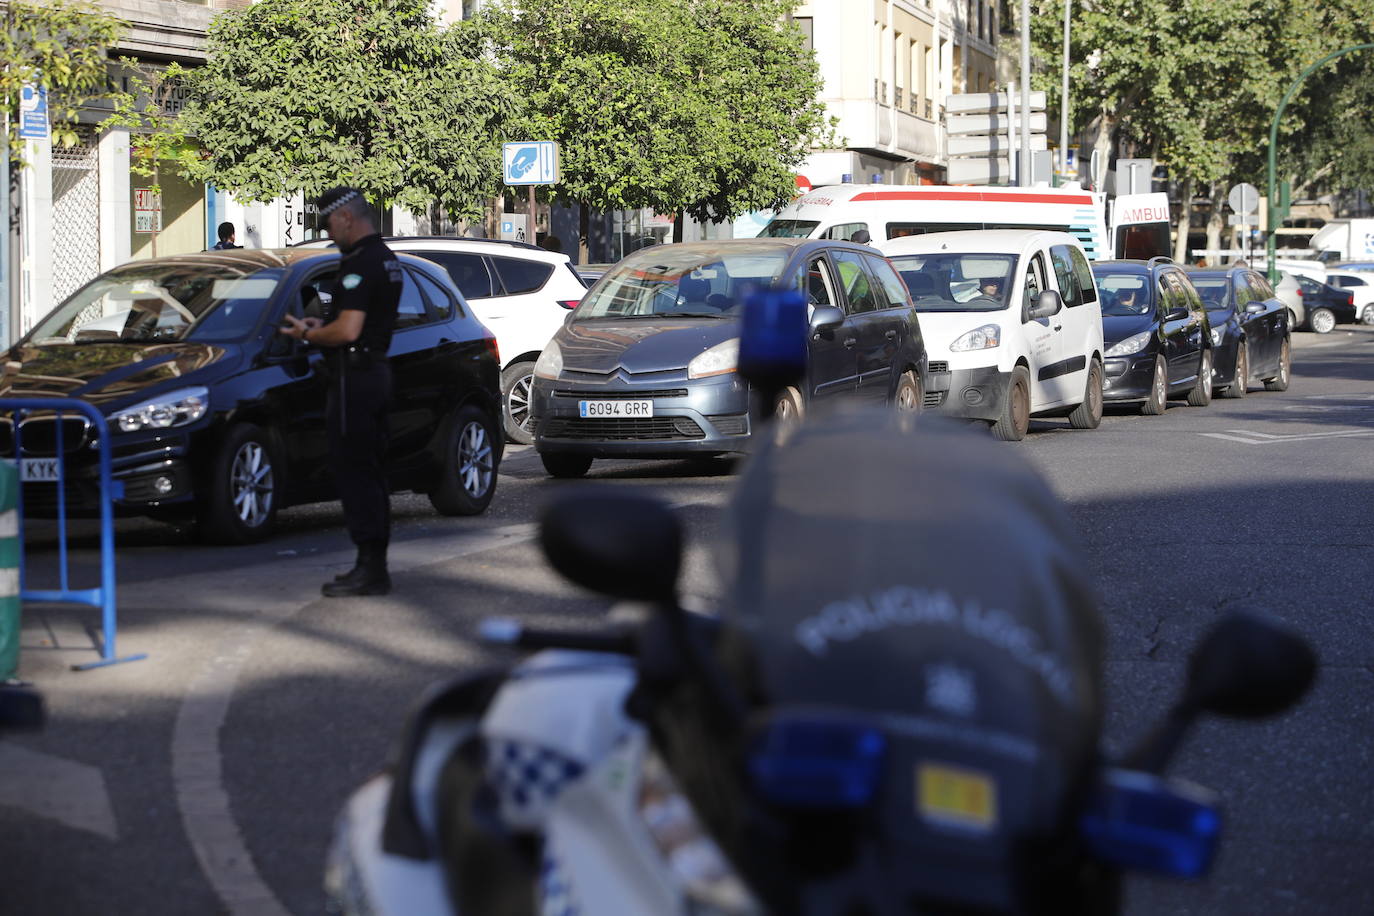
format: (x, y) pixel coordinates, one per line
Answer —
(53, 787)
(1250, 437)
(197, 765)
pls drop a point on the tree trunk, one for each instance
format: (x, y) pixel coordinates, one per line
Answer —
(1216, 222)
(584, 231)
(1185, 219)
(1106, 125)
(678, 220)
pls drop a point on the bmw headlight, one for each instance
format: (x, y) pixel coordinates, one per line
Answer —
(718, 360)
(709, 882)
(550, 362)
(984, 338)
(175, 408)
(1133, 344)
(1217, 335)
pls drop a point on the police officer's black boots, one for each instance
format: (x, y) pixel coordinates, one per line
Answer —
(368, 577)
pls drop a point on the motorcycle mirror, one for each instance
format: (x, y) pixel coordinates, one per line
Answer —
(625, 545)
(1249, 667)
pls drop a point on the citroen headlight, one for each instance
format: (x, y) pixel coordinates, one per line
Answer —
(984, 338)
(718, 360)
(1133, 344)
(176, 408)
(1217, 335)
(711, 886)
(550, 362)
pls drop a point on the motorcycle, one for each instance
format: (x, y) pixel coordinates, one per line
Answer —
(897, 709)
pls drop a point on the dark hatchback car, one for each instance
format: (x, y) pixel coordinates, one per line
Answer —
(645, 366)
(1250, 333)
(1326, 305)
(217, 418)
(1157, 334)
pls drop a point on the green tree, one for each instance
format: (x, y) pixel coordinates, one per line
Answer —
(697, 106)
(304, 95)
(62, 45)
(1191, 83)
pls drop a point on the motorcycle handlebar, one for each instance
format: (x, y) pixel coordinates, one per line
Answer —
(503, 631)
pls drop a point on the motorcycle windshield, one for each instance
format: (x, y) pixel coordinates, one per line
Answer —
(923, 580)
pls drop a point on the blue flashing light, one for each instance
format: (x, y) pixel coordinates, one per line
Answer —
(773, 331)
(1141, 822)
(817, 763)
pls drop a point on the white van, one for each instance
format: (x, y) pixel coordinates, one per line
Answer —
(1011, 324)
(895, 211)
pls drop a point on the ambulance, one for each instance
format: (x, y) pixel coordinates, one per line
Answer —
(894, 211)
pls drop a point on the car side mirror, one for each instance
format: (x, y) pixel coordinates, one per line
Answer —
(1254, 308)
(1045, 304)
(1176, 314)
(826, 317)
(625, 545)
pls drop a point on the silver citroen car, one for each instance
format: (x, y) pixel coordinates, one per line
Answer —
(645, 366)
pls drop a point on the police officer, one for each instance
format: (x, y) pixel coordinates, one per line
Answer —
(363, 302)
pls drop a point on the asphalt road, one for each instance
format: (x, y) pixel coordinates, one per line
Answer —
(205, 778)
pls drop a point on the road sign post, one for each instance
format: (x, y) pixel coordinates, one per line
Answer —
(980, 136)
(530, 163)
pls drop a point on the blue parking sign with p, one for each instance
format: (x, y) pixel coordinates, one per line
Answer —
(531, 162)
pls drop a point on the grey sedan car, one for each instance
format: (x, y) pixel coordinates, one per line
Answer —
(645, 366)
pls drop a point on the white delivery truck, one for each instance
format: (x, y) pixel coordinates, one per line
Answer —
(1344, 240)
(896, 211)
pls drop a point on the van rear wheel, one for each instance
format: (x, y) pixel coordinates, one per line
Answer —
(1088, 415)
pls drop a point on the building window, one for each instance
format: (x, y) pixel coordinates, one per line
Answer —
(806, 24)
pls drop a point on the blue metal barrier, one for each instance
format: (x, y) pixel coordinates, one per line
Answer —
(53, 470)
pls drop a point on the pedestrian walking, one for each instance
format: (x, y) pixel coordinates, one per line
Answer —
(355, 338)
(226, 238)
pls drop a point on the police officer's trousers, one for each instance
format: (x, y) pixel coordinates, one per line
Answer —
(356, 419)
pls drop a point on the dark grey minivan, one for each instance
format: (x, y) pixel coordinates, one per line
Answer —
(645, 366)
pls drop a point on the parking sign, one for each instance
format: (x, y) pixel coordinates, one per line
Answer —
(531, 162)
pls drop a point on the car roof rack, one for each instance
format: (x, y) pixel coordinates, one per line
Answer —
(1160, 259)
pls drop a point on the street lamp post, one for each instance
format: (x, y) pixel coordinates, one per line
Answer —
(1064, 96)
(1274, 216)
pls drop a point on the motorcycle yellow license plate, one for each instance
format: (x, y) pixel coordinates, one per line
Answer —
(956, 797)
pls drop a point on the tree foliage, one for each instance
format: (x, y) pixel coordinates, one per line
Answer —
(702, 106)
(1195, 83)
(304, 95)
(62, 45)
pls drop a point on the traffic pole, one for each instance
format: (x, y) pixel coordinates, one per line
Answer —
(9, 570)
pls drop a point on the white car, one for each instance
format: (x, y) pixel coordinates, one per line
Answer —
(1011, 323)
(521, 292)
(1360, 284)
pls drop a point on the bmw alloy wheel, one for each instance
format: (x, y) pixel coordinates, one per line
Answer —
(1323, 321)
(475, 459)
(250, 484)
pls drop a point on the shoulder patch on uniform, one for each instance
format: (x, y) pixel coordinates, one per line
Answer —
(351, 281)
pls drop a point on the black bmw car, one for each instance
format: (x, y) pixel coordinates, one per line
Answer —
(216, 418)
(1157, 333)
(1250, 333)
(645, 365)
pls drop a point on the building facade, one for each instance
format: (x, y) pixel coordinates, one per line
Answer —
(887, 66)
(83, 209)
